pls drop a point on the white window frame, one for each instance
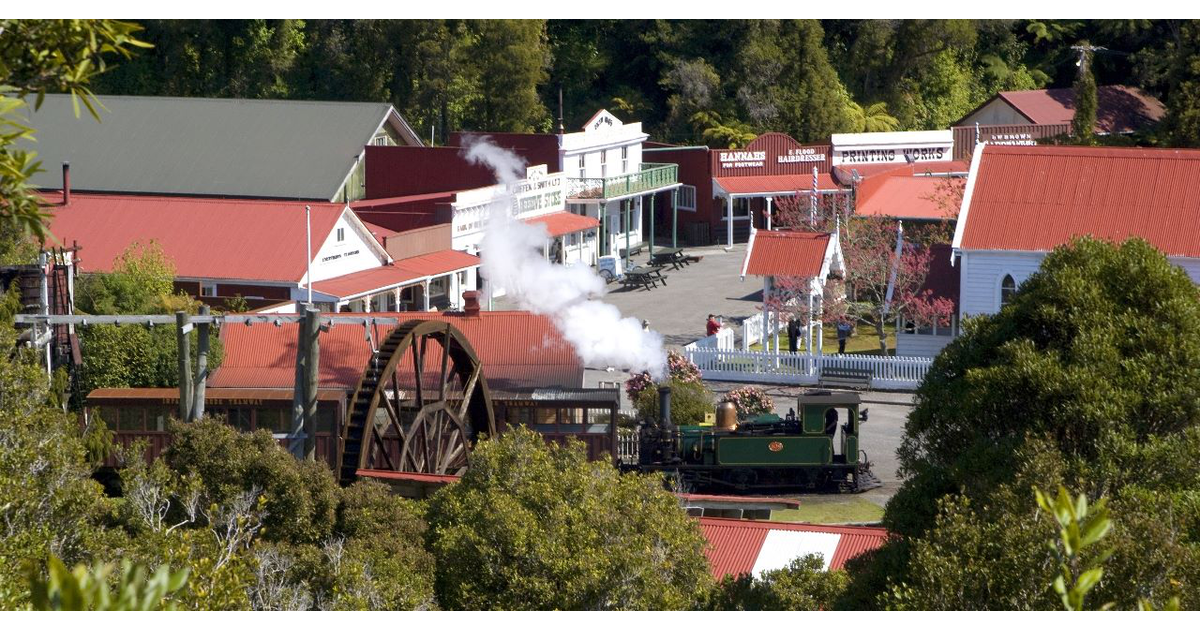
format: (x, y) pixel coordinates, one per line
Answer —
(582, 166)
(341, 235)
(208, 289)
(1000, 288)
(684, 192)
(625, 159)
(603, 163)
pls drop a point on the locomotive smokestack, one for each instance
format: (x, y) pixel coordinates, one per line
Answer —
(664, 407)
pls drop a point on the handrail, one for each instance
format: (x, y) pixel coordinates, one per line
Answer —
(651, 175)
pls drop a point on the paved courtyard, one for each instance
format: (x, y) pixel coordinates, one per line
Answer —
(678, 310)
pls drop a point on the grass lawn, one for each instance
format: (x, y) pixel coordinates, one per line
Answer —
(862, 341)
(851, 510)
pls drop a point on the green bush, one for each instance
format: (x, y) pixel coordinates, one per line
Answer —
(690, 400)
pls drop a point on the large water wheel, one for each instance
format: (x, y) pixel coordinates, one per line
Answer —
(421, 405)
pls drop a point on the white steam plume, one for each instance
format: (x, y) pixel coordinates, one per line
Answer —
(568, 295)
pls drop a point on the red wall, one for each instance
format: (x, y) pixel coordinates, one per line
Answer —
(776, 145)
(403, 171)
(536, 148)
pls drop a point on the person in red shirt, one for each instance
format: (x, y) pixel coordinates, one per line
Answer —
(713, 325)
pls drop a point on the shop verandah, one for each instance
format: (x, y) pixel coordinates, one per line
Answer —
(753, 201)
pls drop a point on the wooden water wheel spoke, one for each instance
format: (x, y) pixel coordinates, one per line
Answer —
(427, 424)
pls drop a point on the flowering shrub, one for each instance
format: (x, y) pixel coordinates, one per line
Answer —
(749, 401)
(679, 369)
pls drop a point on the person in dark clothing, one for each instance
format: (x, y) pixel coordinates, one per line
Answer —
(844, 328)
(793, 333)
(831, 422)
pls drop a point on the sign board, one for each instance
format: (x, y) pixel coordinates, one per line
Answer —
(532, 197)
(771, 154)
(893, 147)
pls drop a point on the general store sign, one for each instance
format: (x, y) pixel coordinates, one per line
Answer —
(541, 194)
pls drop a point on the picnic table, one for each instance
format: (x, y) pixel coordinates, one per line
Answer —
(669, 256)
(647, 277)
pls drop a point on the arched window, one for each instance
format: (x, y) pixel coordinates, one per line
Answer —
(1008, 287)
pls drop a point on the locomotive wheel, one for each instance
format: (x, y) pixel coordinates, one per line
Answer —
(420, 406)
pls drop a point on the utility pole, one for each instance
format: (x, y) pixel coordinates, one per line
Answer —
(308, 259)
(312, 329)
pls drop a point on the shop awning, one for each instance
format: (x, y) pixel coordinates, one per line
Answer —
(771, 185)
(562, 223)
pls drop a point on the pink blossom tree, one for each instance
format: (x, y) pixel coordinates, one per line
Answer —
(870, 259)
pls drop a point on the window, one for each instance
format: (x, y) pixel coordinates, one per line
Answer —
(624, 159)
(1008, 287)
(273, 420)
(687, 197)
(341, 234)
(438, 287)
(582, 171)
(381, 140)
(604, 164)
(208, 289)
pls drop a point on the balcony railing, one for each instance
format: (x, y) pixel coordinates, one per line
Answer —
(650, 177)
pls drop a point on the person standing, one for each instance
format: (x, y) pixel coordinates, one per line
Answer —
(713, 326)
(843, 332)
(793, 333)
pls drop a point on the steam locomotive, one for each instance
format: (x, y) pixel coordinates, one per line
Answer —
(813, 447)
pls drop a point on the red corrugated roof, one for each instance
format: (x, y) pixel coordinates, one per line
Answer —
(519, 350)
(438, 263)
(1119, 108)
(903, 196)
(779, 184)
(1037, 198)
(786, 253)
(560, 223)
(402, 272)
(379, 232)
(844, 173)
(733, 545)
(204, 237)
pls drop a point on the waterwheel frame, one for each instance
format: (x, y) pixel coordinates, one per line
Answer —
(435, 429)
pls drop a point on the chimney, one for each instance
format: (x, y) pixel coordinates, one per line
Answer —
(471, 303)
(664, 408)
(66, 183)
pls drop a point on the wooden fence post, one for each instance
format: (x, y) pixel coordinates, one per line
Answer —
(184, 349)
(201, 368)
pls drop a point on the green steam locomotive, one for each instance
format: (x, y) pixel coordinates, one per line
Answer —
(813, 447)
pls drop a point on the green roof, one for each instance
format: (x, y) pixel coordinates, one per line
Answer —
(207, 146)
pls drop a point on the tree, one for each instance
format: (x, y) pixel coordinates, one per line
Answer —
(36, 57)
(85, 588)
(802, 585)
(133, 356)
(1083, 123)
(1086, 379)
(531, 526)
(873, 118)
(875, 268)
(509, 60)
(1183, 102)
(691, 399)
(49, 505)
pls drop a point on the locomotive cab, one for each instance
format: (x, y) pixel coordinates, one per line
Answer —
(836, 416)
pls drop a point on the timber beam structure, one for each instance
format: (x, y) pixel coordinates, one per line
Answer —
(169, 320)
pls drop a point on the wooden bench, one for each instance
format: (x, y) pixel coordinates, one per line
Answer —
(633, 251)
(641, 277)
(845, 377)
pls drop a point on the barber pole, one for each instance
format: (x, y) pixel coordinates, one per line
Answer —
(812, 208)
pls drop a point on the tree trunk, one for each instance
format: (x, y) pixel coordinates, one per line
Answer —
(883, 349)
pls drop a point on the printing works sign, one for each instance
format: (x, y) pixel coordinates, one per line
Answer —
(893, 147)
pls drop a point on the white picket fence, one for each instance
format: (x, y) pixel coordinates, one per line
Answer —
(723, 340)
(755, 329)
(801, 368)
